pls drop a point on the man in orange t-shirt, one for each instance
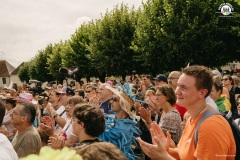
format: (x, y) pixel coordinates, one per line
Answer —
(215, 140)
(215, 137)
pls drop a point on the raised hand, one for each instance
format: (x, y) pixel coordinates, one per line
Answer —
(156, 131)
(145, 114)
(157, 150)
(56, 141)
(4, 131)
(47, 125)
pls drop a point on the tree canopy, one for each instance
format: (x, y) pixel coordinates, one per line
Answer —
(158, 37)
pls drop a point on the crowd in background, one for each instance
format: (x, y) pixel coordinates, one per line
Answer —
(81, 116)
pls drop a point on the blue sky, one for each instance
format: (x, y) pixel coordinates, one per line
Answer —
(27, 26)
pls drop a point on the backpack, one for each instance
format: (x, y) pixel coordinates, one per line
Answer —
(233, 125)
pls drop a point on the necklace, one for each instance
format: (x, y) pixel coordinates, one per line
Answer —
(203, 106)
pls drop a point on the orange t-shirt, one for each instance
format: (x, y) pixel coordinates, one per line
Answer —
(215, 140)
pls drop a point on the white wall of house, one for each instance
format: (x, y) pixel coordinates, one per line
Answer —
(7, 82)
(15, 79)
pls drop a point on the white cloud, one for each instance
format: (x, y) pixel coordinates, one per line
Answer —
(27, 26)
(82, 20)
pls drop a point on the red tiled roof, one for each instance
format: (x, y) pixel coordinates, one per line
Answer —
(5, 68)
(15, 72)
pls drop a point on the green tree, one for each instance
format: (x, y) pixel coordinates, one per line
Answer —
(80, 55)
(54, 62)
(41, 65)
(32, 69)
(23, 72)
(111, 40)
(170, 34)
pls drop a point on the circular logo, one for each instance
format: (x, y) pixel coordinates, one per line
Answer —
(226, 10)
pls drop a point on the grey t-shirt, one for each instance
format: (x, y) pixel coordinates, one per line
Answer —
(27, 142)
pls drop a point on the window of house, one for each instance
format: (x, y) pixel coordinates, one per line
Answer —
(4, 81)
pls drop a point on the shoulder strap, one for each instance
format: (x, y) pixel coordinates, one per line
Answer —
(206, 114)
(62, 112)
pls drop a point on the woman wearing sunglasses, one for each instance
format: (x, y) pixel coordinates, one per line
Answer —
(122, 129)
(233, 92)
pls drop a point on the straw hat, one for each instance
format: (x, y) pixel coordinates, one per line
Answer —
(127, 100)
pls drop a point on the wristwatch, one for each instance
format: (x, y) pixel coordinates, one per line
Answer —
(55, 116)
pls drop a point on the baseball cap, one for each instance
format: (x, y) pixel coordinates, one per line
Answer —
(226, 72)
(161, 77)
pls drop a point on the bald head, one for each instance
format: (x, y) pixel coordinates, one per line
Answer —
(173, 78)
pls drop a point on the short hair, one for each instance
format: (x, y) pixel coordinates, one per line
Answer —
(93, 119)
(102, 150)
(80, 92)
(217, 83)
(203, 77)
(218, 86)
(92, 86)
(75, 100)
(29, 110)
(2, 111)
(11, 101)
(147, 76)
(168, 92)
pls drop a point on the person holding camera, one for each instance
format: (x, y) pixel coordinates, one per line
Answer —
(148, 114)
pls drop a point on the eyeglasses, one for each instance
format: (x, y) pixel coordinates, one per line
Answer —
(88, 91)
(171, 78)
(225, 79)
(114, 99)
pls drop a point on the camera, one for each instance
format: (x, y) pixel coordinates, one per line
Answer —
(36, 87)
(43, 96)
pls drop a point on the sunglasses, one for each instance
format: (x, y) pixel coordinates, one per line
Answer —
(114, 99)
(225, 79)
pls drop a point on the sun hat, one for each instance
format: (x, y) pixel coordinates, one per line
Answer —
(128, 102)
(26, 97)
(125, 94)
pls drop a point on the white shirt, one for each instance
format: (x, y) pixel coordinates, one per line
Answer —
(64, 116)
(211, 103)
(6, 121)
(6, 148)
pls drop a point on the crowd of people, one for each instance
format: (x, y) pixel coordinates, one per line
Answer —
(153, 117)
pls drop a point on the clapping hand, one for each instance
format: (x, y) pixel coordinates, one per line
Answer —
(161, 143)
(47, 125)
(56, 141)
